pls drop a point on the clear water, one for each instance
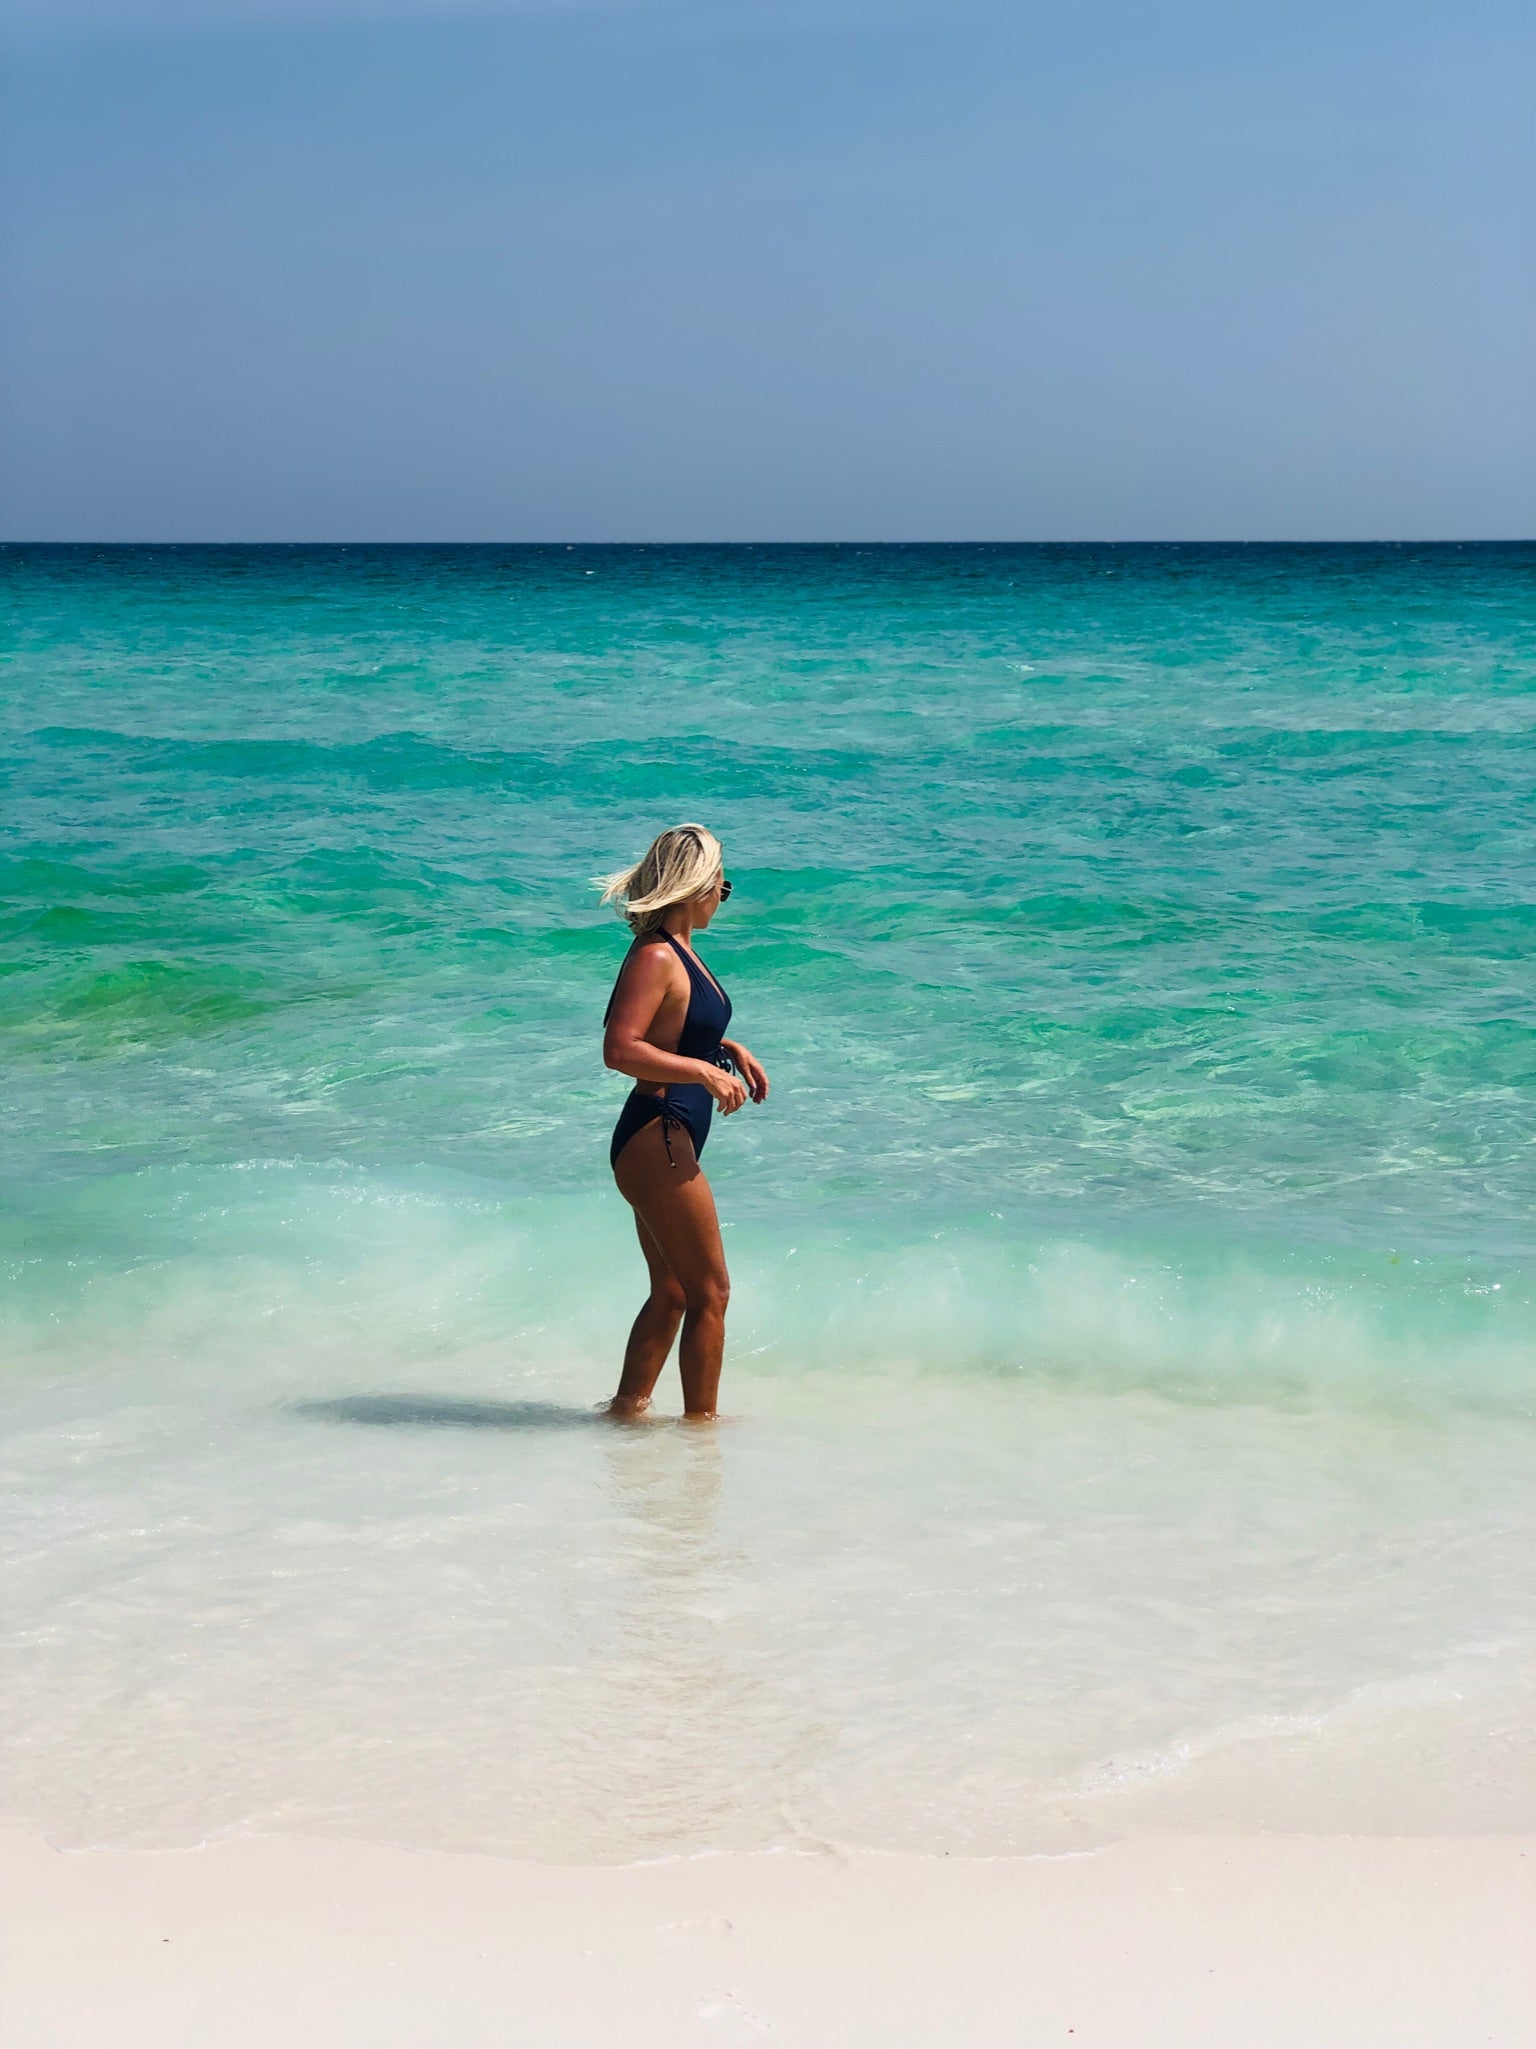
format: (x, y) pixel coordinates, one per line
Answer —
(1132, 1379)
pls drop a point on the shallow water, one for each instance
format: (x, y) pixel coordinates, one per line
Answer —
(1134, 1345)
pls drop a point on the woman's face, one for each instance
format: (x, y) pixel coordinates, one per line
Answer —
(704, 907)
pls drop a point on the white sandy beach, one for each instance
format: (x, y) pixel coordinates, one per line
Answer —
(1243, 1942)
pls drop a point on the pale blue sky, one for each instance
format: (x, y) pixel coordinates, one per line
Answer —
(758, 271)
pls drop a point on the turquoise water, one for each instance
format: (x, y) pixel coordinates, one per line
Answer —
(1141, 944)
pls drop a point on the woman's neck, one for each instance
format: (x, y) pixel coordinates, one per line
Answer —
(680, 925)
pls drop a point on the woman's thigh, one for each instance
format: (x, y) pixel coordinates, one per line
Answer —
(674, 1204)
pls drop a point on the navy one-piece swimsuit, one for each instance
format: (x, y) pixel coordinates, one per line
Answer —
(685, 1103)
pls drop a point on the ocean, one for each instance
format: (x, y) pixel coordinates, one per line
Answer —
(1130, 1391)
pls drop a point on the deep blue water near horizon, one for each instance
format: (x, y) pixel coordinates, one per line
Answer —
(1140, 939)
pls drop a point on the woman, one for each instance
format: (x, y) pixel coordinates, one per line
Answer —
(665, 1025)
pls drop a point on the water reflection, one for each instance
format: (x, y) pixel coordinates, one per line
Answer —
(608, 1617)
(667, 1484)
(712, 1735)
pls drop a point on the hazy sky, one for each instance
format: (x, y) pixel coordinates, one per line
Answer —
(760, 269)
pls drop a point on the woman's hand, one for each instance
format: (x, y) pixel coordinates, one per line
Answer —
(728, 1090)
(753, 1072)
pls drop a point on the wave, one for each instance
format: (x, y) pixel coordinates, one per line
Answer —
(434, 1273)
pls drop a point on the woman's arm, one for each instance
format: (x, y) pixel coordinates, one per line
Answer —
(751, 1068)
(643, 988)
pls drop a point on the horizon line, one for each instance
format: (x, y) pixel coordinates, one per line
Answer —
(1186, 541)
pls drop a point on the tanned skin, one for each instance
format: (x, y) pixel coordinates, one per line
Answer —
(673, 1205)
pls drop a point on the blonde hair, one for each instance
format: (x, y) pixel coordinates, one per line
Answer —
(680, 863)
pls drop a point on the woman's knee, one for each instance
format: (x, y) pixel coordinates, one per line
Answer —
(708, 1295)
(668, 1295)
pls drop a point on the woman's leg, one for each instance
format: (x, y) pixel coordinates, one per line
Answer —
(674, 1204)
(651, 1335)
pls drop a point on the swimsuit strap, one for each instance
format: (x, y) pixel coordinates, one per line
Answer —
(694, 965)
(669, 1117)
(690, 961)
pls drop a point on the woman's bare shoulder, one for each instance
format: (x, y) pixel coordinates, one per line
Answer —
(651, 960)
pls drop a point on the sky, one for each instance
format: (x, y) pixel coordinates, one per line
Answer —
(767, 270)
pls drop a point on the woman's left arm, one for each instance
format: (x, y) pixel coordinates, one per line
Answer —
(751, 1070)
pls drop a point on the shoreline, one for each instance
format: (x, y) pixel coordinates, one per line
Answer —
(1204, 1941)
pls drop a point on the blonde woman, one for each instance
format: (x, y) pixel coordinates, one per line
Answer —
(665, 1025)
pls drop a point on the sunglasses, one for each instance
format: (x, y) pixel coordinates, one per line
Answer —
(725, 889)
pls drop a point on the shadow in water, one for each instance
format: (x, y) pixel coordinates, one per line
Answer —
(442, 1412)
